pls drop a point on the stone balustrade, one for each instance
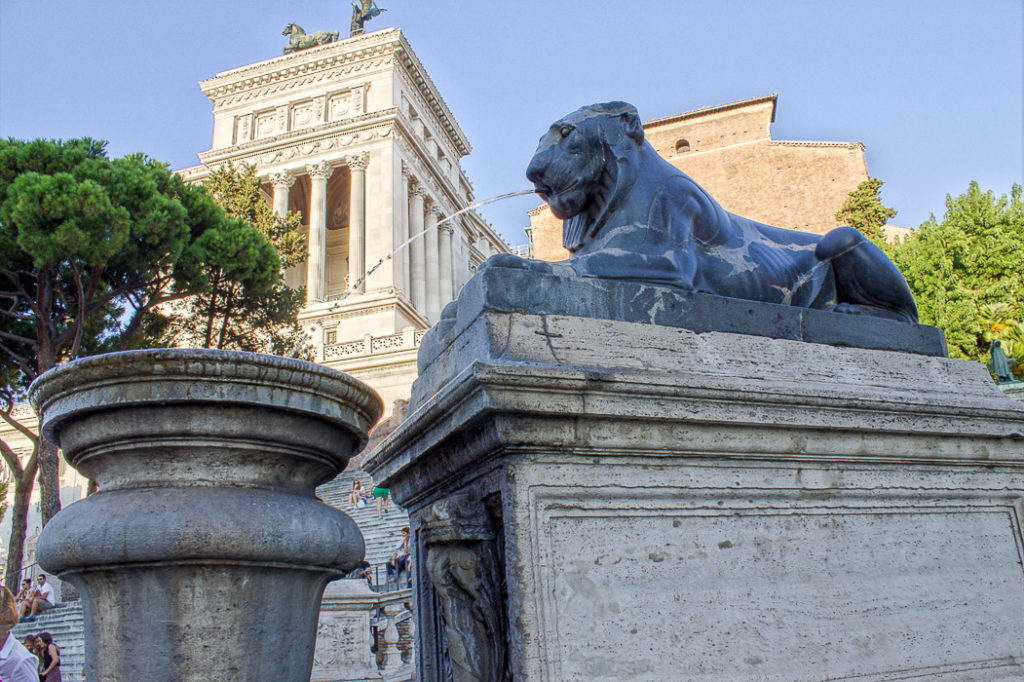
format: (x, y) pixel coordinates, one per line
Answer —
(349, 614)
(409, 339)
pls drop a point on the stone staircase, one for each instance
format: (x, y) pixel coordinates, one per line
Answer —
(380, 535)
(65, 623)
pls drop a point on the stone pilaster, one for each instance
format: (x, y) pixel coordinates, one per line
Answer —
(357, 223)
(401, 259)
(445, 264)
(417, 269)
(282, 182)
(432, 264)
(319, 173)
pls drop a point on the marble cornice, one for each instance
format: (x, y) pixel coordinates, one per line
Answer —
(800, 143)
(298, 64)
(414, 70)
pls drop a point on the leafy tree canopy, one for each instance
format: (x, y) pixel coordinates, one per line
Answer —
(967, 271)
(242, 311)
(863, 210)
(90, 248)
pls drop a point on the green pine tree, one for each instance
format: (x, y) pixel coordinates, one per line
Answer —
(863, 210)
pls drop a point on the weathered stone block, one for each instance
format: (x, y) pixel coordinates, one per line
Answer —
(616, 499)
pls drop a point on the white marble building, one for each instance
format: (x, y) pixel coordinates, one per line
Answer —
(356, 137)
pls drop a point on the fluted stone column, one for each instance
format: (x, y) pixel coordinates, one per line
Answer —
(282, 182)
(445, 264)
(417, 269)
(206, 520)
(432, 265)
(319, 173)
(402, 234)
(357, 223)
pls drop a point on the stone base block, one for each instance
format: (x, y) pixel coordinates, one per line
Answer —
(603, 499)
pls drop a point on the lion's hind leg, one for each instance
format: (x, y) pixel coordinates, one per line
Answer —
(867, 282)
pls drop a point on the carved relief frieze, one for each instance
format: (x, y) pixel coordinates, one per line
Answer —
(298, 151)
(464, 566)
(266, 120)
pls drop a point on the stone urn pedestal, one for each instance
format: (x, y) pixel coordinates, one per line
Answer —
(615, 481)
(205, 553)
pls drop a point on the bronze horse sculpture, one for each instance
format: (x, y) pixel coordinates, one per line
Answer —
(300, 41)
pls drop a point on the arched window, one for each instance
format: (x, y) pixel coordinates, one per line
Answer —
(682, 146)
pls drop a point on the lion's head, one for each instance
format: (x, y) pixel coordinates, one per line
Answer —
(584, 165)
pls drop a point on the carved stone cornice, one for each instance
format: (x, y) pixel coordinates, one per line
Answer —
(358, 161)
(429, 97)
(295, 70)
(320, 170)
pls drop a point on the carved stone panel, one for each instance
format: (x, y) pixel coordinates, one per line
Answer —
(243, 128)
(265, 124)
(465, 570)
(339, 105)
(302, 115)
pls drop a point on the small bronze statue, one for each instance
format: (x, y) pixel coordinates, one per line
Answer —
(1001, 363)
(363, 13)
(631, 215)
(301, 41)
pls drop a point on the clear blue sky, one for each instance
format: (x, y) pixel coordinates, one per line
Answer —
(933, 88)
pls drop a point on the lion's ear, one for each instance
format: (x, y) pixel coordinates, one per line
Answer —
(631, 126)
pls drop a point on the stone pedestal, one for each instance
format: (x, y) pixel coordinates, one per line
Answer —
(633, 483)
(1014, 391)
(344, 639)
(205, 552)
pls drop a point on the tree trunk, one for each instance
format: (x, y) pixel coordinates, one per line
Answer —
(19, 526)
(49, 479)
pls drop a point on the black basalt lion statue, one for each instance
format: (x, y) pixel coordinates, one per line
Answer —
(630, 215)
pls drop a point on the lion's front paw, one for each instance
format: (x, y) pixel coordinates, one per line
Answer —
(511, 261)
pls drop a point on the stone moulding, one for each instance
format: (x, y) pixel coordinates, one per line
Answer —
(206, 518)
(815, 510)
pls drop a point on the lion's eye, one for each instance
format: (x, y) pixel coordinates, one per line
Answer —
(564, 131)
